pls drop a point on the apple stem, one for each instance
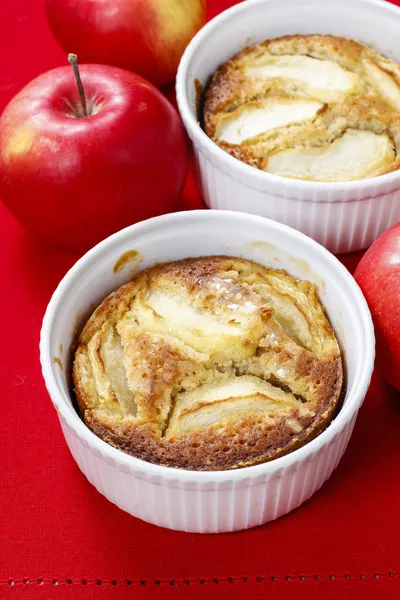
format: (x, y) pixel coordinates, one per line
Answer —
(73, 60)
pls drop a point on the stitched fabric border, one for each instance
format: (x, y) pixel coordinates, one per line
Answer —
(201, 581)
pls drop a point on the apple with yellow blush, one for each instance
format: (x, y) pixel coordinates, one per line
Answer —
(84, 156)
(144, 36)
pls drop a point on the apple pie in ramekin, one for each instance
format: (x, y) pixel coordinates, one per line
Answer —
(268, 339)
(302, 128)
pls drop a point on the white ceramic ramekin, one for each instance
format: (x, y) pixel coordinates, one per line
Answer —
(342, 216)
(222, 500)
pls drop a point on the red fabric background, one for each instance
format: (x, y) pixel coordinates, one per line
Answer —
(60, 539)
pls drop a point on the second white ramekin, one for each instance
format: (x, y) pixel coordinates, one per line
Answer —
(221, 500)
(344, 217)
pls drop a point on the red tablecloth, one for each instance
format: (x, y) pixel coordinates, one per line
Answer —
(60, 539)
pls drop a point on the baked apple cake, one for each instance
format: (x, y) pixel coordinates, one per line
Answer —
(209, 363)
(311, 107)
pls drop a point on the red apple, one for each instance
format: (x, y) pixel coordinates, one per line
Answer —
(144, 36)
(378, 275)
(75, 179)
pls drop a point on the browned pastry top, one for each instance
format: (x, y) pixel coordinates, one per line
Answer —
(312, 107)
(207, 364)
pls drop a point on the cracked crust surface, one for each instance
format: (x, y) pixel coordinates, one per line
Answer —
(209, 363)
(313, 107)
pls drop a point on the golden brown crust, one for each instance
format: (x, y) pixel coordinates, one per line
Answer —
(208, 364)
(368, 102)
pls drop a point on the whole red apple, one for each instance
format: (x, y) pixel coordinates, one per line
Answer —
(144, 36)
(75, 179)
(378, 275)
